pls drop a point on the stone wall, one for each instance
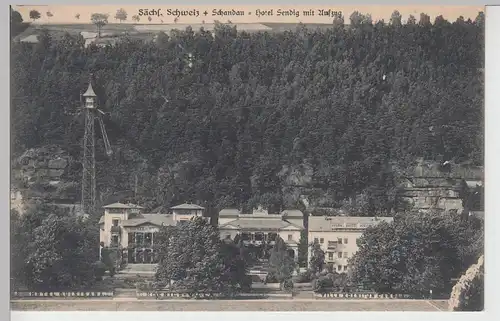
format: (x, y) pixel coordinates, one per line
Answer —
(46, 173)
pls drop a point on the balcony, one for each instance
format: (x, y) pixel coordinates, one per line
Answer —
(115, 230)
(332, 245)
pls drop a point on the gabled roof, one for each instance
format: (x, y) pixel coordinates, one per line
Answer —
(267, 224)
(292, 213)
(229, 212)
(30, 39)
(120, 205)
(187, 206)
(154, 219)
(90, 92)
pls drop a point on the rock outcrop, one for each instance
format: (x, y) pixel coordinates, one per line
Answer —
(468, 293)
(45, 173)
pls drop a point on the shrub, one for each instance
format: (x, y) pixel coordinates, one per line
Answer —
(99, 270)
(304, 277)
(246, 284)
(322, 284)
(270, 278)
(288, 285)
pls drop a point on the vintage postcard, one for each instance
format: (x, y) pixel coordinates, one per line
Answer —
(247, 158)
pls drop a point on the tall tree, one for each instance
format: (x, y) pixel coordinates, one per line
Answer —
(59, 251)
(121, 15)
(417, 253)
(317, 261)
(35, 15)
(281, 264)
(100, 20)
(192, 258)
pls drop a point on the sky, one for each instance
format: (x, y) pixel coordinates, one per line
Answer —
(65, 14)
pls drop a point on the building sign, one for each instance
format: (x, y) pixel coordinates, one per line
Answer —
(62, 294)
(151, 229)
(362, 296)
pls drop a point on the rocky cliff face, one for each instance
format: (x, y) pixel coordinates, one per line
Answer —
(45, 173)
(468, 293)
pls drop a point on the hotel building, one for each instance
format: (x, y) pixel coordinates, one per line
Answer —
(125, 226)
(261, 227)
(338, 235)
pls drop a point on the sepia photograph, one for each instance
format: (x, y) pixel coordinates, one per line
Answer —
(247, 158)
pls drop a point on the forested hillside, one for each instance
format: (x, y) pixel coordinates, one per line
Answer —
(348, 102)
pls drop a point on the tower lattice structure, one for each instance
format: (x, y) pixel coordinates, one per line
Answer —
(91, 113)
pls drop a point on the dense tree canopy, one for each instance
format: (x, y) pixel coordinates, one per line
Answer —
(349, 101)
(51, 250)
(416, 253)
(281, 264)
(194, 259)
(317, 260)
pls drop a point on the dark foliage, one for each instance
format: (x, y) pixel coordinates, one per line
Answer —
(194, 259)
(417, 253)
(53, 251)
(218, 128)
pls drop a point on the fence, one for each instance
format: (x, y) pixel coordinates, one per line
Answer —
(341, 295)
(64, 294)
(174, 295)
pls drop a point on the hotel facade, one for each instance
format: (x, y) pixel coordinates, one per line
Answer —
(125, 226)
(260, 227)
(337, 237)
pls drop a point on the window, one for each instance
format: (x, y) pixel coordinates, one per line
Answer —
(139, 238)
(290, 237)
(330, 255)
(115, 222)
(345, 267)
(148, 238)
(339, 267)
(131, 238)
(339, 240)
(345, 240)
(332, 243)
(345, 255)
(340, 255)
(316, 240)
(321, 240)
(114, 240)
(228, 236)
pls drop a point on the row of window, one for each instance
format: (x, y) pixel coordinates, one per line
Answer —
(259, 237)
(331, 243)
(339, 255)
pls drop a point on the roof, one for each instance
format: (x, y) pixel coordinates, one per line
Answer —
(120, 205)
(271, 224)
(479, 214)
(90, 92)
(292, 213)
(155, 219)
(187, 206)
(327, 223)
(30, 39)
(474, 183)
(229, 212)
(232, 212)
